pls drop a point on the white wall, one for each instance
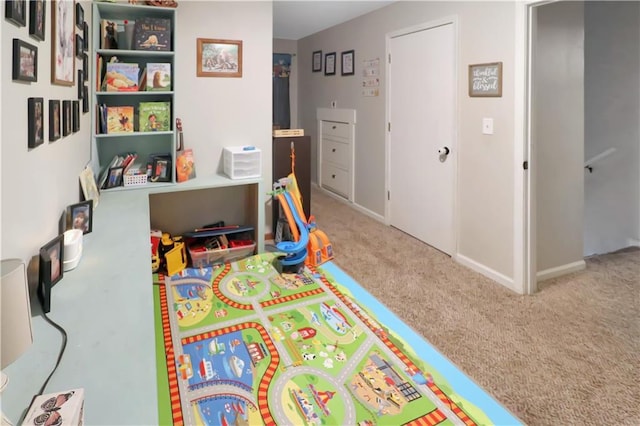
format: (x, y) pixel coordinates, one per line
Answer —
(486, 167)
(37, 184)
(612, 108)
(291, 47)
(558, 122)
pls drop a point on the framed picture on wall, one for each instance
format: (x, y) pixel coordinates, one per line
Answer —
(63, 61)
(25, 61)
(37, 19)
(485, 80)
(75, 122)
(35, 122)
(347, 62)
(317, 61)
(219, 58)
(330, 63)
(66, 118)
(16, 11)
(54, 120)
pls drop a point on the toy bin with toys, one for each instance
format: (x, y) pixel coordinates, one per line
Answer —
(215, 245)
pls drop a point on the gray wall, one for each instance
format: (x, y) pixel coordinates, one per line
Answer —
(612, 108)
(558, 123)
(485, 202)
(216, 112)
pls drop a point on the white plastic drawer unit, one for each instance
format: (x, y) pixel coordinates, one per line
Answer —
(337, 153)
(336, 179)
(336, 130)
(242, 162)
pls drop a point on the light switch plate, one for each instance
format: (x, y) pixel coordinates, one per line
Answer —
(487, 126)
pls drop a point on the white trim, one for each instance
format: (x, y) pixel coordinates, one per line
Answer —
(448, 20)
(355, 206)
(488, 272)
(561, 270)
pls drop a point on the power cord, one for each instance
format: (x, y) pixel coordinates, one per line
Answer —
(62, 348)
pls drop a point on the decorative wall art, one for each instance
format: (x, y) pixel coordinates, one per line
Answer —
(219, 58)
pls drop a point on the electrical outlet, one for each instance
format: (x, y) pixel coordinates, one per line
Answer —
(487, 126)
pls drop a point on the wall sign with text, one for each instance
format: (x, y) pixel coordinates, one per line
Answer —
(485, 80)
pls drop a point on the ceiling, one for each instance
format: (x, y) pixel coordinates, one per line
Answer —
(293, 20)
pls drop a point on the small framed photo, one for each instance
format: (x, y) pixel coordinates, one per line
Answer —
(36, 122)
(330, 63)
(16, 11)
(85, 66)
(51, 269)
(66, 118)
(219, 58)
(115, 177)
(75, 122)
(79, 15)
(347, 62)
(317, 61)
(80, 216)
(85, 36)
(37, 14)
(25, 61)
(54, 120)
(79, 46)
(80, 84)
(89, 186)
(85, 99)
(161, 171)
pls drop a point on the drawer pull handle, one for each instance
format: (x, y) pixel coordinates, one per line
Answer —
(333, 176)
(333, 150)
(334, 127)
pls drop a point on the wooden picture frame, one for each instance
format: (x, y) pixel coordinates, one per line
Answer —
(161, 170)
(63, 61)
(15, 11)
(114, 179)
(219, 58)
(347, 62)
(316, 61)
(24, 62)
(80, 216)
(37, 19)
(79, 16)
(66, 118)
(75, 115)
(35, 114)
(485, 80)
(55, 129)
(330, 63)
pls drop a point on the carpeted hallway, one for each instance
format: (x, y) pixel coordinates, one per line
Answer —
(567, 355)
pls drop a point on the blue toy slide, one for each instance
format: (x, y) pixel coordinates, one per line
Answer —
(296, 252)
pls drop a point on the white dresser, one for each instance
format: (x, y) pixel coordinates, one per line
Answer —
(336, 136)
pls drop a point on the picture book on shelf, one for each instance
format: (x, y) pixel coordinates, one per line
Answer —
(154, 116)
(158, 77)
(185, 166)
(152, 34)
(119, 119)
(121, 77)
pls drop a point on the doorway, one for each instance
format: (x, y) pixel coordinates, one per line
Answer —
(421, 133)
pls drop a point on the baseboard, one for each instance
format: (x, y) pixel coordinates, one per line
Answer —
(560, 270)
(361, 209)
(487, 272)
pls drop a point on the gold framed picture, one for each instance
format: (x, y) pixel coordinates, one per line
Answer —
(219, 58)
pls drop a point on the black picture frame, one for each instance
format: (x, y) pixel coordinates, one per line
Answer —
(66, 118)
(80, 84)
(51, 269)
(75, 122)
(35, 133)
(79, 46)
(85, 66)
(24, 62)
(316, 61)
(85, 36)
(15, 11)
(85, 99)
(55, 129)
(37, 19)
(80, 216)
(330, 63)
(114, 179)
(161, 170)
(347, 63)
(79, 15)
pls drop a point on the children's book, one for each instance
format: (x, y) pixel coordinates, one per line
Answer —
(186, 167)
(121, 77)
(152, 34)
(158, 77)
(154, 116)
(119, 119)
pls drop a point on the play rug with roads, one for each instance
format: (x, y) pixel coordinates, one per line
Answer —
(241, 344)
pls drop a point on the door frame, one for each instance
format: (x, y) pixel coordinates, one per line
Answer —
(448, 20)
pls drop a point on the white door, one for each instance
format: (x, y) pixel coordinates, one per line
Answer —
(422, 142)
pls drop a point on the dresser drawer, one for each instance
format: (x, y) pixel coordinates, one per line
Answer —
(336, 129)
(336, 179)
(336, 153)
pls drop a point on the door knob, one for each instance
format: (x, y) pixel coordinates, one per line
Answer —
(444, 151)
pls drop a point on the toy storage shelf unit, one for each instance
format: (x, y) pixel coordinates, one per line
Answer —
(217, 246)
(241, 162)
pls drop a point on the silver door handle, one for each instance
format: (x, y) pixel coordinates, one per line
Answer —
(444, 151)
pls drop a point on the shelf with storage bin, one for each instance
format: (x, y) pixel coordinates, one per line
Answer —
(143, 143)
